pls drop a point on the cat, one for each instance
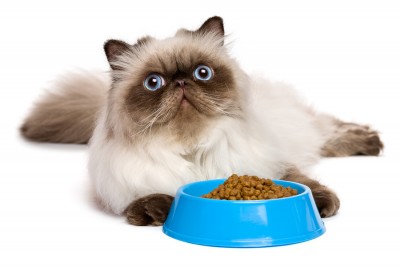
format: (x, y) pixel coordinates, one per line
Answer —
(180, 110)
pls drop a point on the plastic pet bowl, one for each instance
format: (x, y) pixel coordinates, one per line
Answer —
(242, 223)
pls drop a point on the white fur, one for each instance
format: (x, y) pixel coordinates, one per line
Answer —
(277, 130)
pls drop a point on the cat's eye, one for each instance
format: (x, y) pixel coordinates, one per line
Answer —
(154, 82)
(203, 73)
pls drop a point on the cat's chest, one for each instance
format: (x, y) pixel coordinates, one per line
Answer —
(225, 148)
(231, 153)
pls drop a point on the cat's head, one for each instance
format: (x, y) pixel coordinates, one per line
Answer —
(177, 84)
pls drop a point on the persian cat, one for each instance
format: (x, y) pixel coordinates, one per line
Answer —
(180, 110)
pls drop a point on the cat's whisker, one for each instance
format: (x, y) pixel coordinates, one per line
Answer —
(155, 115)
(166, 115)
(215, 105)
(152, 115)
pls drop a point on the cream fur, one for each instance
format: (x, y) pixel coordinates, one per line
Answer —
(277, 130)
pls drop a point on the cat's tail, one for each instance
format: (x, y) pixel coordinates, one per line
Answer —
(68, 113)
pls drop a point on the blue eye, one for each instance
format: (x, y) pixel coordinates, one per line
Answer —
(203, 73)
(153, 82)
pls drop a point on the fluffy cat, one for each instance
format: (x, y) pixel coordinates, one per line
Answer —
(179, 110)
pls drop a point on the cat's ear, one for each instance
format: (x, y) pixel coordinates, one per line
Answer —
(113, 49)
(213, 25)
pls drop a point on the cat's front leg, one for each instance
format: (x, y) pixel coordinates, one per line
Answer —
(326, 200)
(149, 210)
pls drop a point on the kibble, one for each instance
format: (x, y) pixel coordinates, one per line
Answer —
(249, 188)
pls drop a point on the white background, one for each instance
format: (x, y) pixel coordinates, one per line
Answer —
(343, 56)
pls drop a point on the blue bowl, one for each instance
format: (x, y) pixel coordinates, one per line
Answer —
(242, 223)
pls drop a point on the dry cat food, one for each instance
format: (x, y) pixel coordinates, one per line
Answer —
(249, 188)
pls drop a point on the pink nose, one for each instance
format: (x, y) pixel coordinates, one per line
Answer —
(181, 83)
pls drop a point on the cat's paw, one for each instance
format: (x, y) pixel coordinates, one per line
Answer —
(149, 210)
(353, 139)
(367, 141)
(326, 200)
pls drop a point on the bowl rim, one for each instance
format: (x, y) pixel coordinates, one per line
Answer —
(306, 191)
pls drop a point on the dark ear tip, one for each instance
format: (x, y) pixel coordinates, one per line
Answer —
(108, 43)
(213, 24)
(107, 46)
(114, 48)
(216, 20)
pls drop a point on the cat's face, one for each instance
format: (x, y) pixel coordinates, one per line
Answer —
(177, 83)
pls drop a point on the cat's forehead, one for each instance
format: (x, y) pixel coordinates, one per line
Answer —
(179, 54)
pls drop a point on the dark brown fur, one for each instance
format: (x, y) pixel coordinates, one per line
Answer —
(69, 115)
(149, 210)
(352, 139)
(142, 103)
(326, 200)
(213, 24)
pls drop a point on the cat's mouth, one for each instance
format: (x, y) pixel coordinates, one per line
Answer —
(185, 101)
(189, 104)
(189, 101)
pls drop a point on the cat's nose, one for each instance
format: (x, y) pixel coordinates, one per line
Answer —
(180, 83)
